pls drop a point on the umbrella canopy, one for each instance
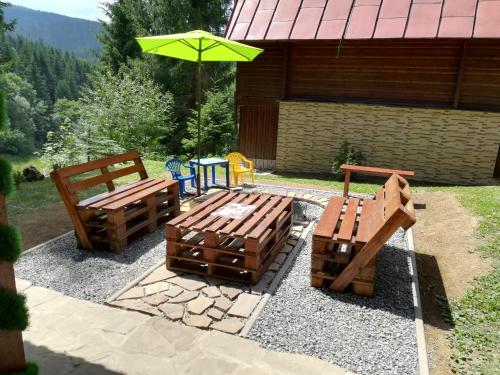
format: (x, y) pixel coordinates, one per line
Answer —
(198, 46)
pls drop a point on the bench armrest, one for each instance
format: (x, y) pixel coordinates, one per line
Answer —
(375, 170)
(348, 168)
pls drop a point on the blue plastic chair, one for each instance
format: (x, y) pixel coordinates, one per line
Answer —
(174, 166)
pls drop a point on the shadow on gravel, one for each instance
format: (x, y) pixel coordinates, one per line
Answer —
(393, 291)
(128, 256)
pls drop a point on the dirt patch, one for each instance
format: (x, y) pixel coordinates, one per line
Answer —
(446, 263)
(43, 224)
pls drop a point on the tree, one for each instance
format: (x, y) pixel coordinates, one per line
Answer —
(130, 109)
(36, 77)
(217, 125)
(132, 18)
(23, 108)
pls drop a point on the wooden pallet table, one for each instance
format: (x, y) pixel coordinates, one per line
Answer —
(352, 231)
(234, 248)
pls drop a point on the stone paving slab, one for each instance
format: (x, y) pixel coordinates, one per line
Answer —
(71, 336)
(205, 302)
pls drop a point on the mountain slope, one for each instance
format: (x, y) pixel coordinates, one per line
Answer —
(67, 33)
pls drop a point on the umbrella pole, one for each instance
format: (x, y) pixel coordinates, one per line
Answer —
(198, 179)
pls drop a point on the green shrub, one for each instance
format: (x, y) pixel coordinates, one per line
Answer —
(14, 142)
(6, 181)
(346, 155)
(13, 311)
(10, 244)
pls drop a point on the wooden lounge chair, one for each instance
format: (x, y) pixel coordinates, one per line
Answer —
(120, 215)
(352, 231)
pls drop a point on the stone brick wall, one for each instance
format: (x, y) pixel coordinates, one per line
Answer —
(450, 146)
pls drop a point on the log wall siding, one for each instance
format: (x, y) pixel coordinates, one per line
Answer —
(421, 73)
(396, 72)
(440, 145)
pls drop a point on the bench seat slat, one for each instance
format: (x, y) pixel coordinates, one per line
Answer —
(117, 197)
(137, 196)
(371, 218)
(331, 215)
(96, 198)
(97, 202)
(347, 226)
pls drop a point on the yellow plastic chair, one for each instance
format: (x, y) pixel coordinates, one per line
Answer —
(237, 164)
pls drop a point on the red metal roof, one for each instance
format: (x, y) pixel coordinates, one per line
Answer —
(363, 19)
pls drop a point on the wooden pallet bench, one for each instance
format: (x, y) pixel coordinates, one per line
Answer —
(115, 218)
(352, 231)
(238, 249)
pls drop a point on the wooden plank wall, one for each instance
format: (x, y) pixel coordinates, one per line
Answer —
(425, 73)
(480, 86)
(259, 130)
(395, 72)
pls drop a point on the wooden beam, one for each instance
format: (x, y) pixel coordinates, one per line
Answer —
(12, 357)
(460, 75)
(285, 72)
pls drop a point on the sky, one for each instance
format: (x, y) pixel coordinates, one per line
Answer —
(87, 9)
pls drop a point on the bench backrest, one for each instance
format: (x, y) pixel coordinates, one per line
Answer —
(396, 198)
(68, 189)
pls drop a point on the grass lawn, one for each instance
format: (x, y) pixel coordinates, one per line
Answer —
(475, 338)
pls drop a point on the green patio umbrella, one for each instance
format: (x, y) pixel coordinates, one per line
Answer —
(198, 46)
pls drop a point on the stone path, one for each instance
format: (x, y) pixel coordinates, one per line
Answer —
(71, 336)
(199, 301)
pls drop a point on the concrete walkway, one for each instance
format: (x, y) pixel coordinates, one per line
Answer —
(71, 336)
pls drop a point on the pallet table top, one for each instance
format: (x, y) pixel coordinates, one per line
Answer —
(204, 218)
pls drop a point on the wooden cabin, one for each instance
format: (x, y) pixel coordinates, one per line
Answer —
(413, 84)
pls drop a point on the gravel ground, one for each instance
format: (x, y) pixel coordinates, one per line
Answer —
(94, 276)
(364, 335)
